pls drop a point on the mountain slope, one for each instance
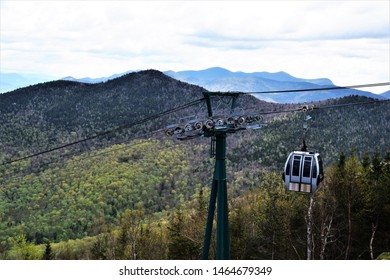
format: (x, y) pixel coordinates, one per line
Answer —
(46, 115)
(386, 94)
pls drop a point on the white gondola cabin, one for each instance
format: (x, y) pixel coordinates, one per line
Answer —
(303, 171)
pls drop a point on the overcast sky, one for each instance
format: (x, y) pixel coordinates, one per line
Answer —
(346, 41)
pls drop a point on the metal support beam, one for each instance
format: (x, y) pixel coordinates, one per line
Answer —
(219, 195)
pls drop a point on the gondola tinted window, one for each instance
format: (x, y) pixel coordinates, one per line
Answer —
(306, 167)
(296, 165)
(314, 175)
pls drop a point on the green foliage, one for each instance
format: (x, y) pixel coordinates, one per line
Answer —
(267, 222)
(106, 200)
(186, 230)
(23, 250)
(353, 210)
(78, 249)
(384, 256)
(78, 198)
(350, 220)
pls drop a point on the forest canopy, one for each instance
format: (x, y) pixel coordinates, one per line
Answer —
(131, 195)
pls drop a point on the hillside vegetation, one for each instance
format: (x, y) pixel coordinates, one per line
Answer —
(350, 217)
(112, 197)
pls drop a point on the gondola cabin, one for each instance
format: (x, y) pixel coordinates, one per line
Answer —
(303, 171)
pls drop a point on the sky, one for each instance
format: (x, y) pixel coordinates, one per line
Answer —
(345, 41)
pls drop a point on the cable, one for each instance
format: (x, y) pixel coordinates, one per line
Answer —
(195, 102)
(70, 155)
(312, 89)
(160, 130)
(351, 104)
(120, 148)
(88, 156)
(262, 113)
(324, 107)
(181, 107)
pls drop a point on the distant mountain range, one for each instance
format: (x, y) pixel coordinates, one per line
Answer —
(12, 81)
(386, 94)
(96, 80)
(220, 79)
(211, 75)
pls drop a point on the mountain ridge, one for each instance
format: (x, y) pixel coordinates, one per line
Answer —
(221, 79)
(386, 94)
(219, 72)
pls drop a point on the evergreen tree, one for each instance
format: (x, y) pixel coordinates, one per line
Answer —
(48, 254)
(181, 246)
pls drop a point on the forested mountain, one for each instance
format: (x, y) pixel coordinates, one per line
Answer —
(119, 192)
(57, 112)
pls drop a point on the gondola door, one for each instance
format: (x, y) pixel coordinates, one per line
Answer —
(306, 178)
(295, 173)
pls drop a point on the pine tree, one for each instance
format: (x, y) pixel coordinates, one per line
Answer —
(48, 254)
(181, 246)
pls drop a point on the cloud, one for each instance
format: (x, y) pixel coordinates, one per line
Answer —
(335, 39)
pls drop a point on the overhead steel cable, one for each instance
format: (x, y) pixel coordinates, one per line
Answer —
(96, 153)
(100, 134)
(195, 102)
(160, 130)
(325, 107)
(311, 89)
(351, 104)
